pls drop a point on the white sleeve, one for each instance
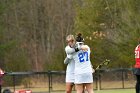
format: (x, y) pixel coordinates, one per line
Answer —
(67, 60)
(69, 56)
(69, 50)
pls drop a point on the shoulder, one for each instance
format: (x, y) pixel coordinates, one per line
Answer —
(69, 50)
(137, 47)
(67, 47)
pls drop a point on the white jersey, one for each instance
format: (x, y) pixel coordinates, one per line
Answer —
(82, 61)
(71, 64)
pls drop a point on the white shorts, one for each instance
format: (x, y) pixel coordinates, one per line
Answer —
(70, 77)
(83, 78)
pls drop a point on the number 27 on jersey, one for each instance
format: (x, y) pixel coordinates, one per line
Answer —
(83, 56)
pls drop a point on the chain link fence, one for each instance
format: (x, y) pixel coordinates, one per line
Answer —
(55, 80)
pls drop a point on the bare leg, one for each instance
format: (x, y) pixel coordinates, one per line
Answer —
(89, 87)
(69, 87)
(79, 88)
(84, 88)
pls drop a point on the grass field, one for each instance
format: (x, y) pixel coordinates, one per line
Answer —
(43, 90)
(109, 91)
(117, 91)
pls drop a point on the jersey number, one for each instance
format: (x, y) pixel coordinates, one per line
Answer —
(137, 54)
(83, 56)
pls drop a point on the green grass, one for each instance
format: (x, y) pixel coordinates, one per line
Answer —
(108, 91)
(45, 90)
(116, 91)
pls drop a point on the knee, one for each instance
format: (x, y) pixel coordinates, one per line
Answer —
(68, 91)
(83, 91)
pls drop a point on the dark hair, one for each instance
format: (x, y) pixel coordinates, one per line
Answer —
(79, 38)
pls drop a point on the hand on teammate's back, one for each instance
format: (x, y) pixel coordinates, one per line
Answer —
(84, 48)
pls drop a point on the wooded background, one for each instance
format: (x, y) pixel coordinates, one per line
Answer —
(33, 32)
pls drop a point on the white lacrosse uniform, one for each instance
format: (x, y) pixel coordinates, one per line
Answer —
(83, 69)
(70, 66)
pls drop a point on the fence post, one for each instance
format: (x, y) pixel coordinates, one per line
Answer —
(50, 80)
(98, 81)
(14, 83)
(123, 78)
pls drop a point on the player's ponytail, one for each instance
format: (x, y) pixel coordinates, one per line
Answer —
(79, 38)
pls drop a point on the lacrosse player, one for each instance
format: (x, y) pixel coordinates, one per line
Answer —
(71, 48)
(71, 65)
(1, 75)
(83, 72)
(137, 67)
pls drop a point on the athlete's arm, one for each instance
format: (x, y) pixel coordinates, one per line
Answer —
(67, 60)
(76, 48)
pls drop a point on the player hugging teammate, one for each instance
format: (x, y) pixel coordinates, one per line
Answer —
(79, 70)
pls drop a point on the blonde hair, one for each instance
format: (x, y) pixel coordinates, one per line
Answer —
(70, 38)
